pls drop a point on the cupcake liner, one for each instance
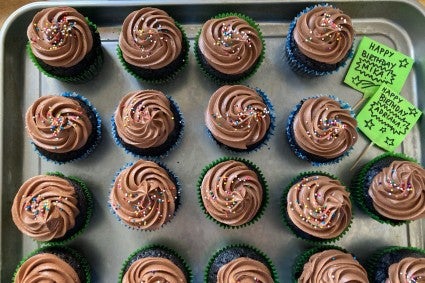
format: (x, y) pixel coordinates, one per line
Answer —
(156, 250)
(303, 258)
(300, 234)
(233, 252)
(183, 59)
(173, 178)
(161, 151)
(63, 158)
(219, 77)
(358, 188)
(88, 73)
(261, 178)
(304, 68)
(61, 251)
(378, 263)
(261, 143)
(299, 152)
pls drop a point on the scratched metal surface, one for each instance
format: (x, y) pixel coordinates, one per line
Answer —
(106, 242)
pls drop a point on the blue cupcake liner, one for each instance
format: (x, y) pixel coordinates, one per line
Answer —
(298, 66)
(95, 143)
(264, 141)
(168, 150)
(300, 153)
(173, 178)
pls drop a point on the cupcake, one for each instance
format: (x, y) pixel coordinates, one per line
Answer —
(397, 264)
(321, 130)
(53, 264)
(52, 207)
(63, 127)
(329, 264)
(319, 41)
(152, 46)
(239, 118)
(155, 264)
(316, 207)
(232, 192)
(229, 48)
(240, 263)
(147, 123)
(144, 195)
(391, 189)
(65, 45)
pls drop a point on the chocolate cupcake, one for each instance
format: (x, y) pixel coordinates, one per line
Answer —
(63, 127)
(144, 195)
(52, 208)
(152, 46)
(391, 189)
(316, 207)
(65, 45)
(147, 123)
(239, 118)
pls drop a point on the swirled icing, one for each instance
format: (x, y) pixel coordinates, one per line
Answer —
(230, 45)
(45, 207)
(46, 267)
(407, 270)
(153, 270)
(324, 34)
(237, 116)
(60, 36)
(58, 124)
(231, 192)
(144, 118)
(150, 39)
(324, 129)
(398, 191)
(319, 206)
(144, 196)
(245, 270)
(333, 266)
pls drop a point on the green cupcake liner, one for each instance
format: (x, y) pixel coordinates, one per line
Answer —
(288, 223)
(253, 24)
(268, 262)
(261, 178)
(187, 271)
(303, 258)
(89, 73)
(80, 258)
(173, 74)
(357, 188)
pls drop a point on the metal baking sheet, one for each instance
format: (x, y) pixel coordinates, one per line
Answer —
(107, 243)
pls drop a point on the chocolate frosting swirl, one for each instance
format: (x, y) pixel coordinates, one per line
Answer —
(324, 129)
(319, 206)
(324, 34)
(58, 124)
(46, 267)
(245, 270)
(60, 36)
(232, 193)
(398, 191)
(153, 270)
(144, 196)
(230, 45)
(333, 266)
(408, 269)
(237, 116)
(45, 207)
(150, 39)
(144, 118)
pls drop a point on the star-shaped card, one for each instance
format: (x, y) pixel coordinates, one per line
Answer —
(375, 64)
(387, 118)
